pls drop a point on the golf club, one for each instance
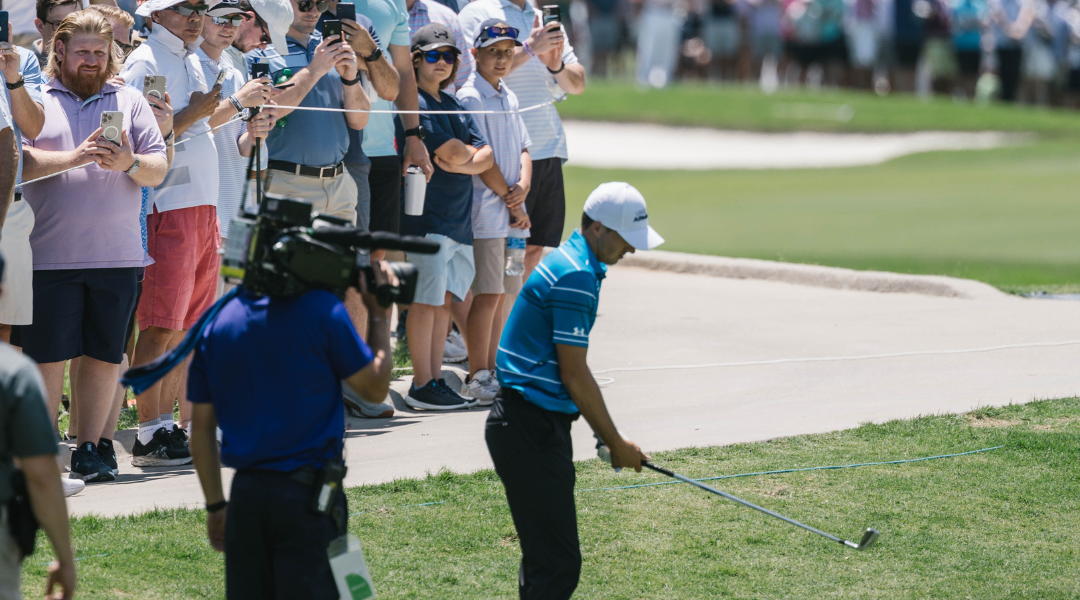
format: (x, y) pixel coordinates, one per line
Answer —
(869, 536)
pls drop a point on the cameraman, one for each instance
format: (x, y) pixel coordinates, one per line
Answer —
(269, 372)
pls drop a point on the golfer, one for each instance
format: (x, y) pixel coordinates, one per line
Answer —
(546, 384)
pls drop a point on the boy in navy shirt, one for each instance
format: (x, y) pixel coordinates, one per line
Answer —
(459, 151)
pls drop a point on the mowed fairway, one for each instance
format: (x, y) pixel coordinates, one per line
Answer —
(999, 524)
(1006, 216)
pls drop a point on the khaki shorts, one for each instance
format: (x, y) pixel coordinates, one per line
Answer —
(332, 196)
(17, 301)
(491, 278)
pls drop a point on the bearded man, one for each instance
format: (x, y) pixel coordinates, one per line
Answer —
(87, 241)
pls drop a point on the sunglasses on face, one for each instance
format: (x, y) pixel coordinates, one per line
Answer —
(433, 56)
(310, 5)
(187, 10)
(494, 32)
(234, 20)
(124, 48)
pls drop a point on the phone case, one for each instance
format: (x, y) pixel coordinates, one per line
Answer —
(154, 85)
(111, 124)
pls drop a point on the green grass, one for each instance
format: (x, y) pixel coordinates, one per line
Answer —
(1006, 217)
(739, 107)
(1002, 524)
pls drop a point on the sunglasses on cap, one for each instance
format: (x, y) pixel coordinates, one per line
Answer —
(187, 11)
(235, 20)
(309, 5)
(434, 55)
(494, 32)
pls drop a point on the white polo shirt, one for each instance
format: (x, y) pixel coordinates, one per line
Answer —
(505, 132)
(532, 82)
(193, 177)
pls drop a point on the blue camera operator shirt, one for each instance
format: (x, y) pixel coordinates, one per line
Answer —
(556, 306)
(448, 202)
(272, 368)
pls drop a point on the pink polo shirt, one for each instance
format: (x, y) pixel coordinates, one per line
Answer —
(89, 218)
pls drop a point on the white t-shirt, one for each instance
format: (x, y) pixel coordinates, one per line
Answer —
(193, 177)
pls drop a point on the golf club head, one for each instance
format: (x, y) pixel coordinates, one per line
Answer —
(868, 539)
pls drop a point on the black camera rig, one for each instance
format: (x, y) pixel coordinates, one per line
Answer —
(287, 251)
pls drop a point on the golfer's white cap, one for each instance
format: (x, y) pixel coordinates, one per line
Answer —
(618, 205)
(156, 5)
(278, 16)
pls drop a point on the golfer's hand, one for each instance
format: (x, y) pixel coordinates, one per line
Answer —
(215, 529)
(62, 576)
(627, 455)
(383, 275)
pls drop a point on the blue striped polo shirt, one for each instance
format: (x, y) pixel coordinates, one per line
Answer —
(556, 306)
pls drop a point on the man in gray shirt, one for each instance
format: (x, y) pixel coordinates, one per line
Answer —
(27, 433)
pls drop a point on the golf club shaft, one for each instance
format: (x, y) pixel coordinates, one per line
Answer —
(675, 475)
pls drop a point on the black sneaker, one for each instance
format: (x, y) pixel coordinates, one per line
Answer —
(159, 452)
(179, 439)
(433, 397)
(107, 453)
(470, 401)
(87, 465)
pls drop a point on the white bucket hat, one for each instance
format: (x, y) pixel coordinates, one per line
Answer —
(156, 5)
(618, 206)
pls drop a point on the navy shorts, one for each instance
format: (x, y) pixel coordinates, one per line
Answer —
(546, 203)
(80, 312)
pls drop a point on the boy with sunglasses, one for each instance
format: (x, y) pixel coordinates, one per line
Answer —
(498, 209)
(459, 151)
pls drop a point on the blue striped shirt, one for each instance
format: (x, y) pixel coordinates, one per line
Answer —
(557, 306)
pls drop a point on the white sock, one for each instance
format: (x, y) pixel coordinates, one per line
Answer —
(147, 429)
(167, 422)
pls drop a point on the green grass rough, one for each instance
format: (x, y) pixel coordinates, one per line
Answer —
(1002, 524)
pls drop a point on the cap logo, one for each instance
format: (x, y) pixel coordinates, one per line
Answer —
(642, 215)
(441, 35)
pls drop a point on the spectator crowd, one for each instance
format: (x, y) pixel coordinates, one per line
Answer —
(135, 127)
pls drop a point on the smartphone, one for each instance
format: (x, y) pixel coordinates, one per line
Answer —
(112, 122)
(4, 36)
(220, 78)
(346, 10)
(260, 69)
(331, 27)
(284, 86)
(154, 85)
(552, 14)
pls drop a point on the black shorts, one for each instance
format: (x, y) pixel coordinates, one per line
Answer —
(385, 184)
(80, 312)
(140, 274)
(546, 203)
(969, 61)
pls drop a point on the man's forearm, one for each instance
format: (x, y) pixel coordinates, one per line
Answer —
(583, 389)
(572, 79)
(183, 120)
(356, 99)
(204, 456)
(408, 98)
(493, 178)
(152, 170)
(384, 78)
(9, 155)
(47, 502)
(28, 115)
(224, 111)
(42, 163)
(520, 58)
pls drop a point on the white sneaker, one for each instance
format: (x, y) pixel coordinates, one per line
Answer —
(361, 408)
(483, 387)
(72, 486)
(454, 351)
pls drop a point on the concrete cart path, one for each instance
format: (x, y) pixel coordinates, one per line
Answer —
(651, 318)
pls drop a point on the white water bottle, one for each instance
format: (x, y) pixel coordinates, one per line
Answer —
(515, 256)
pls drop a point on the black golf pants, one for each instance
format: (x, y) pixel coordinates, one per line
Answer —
(533, 456)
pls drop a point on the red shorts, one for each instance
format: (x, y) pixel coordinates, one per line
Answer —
(182, 282)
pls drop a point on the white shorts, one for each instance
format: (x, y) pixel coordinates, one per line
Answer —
(450, 270)
(17, 300)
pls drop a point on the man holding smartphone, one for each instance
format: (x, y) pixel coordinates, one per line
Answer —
(84, 281)
(183, 233)
(545, 68)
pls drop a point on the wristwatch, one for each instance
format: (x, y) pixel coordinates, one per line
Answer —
(418, 132)
(14, 86)
(133, 169)
(169, 138)
(351, 81)
(376, 55)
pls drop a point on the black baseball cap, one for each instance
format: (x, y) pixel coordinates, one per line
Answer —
(484, 39)
(432, 36)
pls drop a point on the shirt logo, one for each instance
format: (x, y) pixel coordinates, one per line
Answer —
(642, 215)
(580, 332)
